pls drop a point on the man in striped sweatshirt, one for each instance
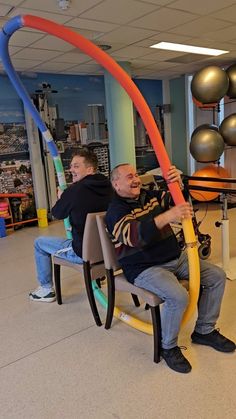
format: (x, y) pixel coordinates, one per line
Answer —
(139, 223)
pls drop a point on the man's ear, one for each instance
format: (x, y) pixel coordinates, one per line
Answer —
(115, 185)
(90, 170)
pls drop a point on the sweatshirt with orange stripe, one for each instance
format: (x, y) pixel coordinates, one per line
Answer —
(139, 244)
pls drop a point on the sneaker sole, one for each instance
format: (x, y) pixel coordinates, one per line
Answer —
(43, 300)
(214, 347)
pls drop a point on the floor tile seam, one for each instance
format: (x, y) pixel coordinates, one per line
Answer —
(46, 347)
(15, 295)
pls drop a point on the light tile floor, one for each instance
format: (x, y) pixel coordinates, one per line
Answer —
(55, 363)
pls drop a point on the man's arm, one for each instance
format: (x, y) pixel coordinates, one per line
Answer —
(176, 213)
(63, 206)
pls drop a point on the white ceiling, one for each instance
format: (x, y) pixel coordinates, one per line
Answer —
(130, 27)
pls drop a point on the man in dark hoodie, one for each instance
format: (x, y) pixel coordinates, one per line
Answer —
(90, 192)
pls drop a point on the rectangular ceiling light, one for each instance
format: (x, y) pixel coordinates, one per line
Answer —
(188, 48)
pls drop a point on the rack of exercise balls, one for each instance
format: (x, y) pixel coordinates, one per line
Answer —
(208, 141)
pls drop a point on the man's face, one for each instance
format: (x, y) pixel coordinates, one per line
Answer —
(79, 169)
(128, 182)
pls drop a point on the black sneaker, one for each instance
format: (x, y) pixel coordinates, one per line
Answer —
(175, 360)
(215, 340)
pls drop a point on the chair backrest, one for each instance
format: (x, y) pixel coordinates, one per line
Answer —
(108, 250)
(146, 179)
(91, 248)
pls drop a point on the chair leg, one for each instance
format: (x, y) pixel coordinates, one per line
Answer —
(57, 280)
(156, 321)
(89, 289)
(98, 281)
(135, 300)
(110, 298)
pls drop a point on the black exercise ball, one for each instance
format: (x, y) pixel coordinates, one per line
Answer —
(228, 129)
(231, 72)
(210, 84)
(206, 145)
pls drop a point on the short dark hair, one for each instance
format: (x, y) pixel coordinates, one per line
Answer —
(90, 158)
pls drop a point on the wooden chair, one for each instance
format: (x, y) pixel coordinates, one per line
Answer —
(117, 281)
(92, 267)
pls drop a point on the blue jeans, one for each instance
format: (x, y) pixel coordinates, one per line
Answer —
(163, 281)
(44, 247)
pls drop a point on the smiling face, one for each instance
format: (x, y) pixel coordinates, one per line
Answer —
(79, 168)
(126, 182)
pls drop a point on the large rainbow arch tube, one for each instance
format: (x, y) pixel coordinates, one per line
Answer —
(126, 82)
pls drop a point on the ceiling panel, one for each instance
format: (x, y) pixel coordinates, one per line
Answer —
(229, 14)
(88, 69)
(120, 12)
(40, 54)
(24, 64)
(131, 52)
(22, 38)
(49, 66)
(201, 7)
(130, 27)
(56, 17)
(163, 19)
(73, 57)
(93, 25)
(200, 26)
(222, 35)
(12, 2)
(52, 43)
(76, 6)
(127, 35)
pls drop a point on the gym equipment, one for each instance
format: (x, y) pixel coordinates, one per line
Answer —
(204, 250)
(206, 144)
(231, 72)
(204, 195)
(205, 126)
(209, 84)
(204, 105)
(228, 129)
(221, 171)
(126, 82)
(229, 265)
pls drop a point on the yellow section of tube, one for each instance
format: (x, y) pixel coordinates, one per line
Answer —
(194, 284)
(194, 269)
(133, 321)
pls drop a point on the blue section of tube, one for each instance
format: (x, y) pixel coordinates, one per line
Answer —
(8, 29)
(12, 25)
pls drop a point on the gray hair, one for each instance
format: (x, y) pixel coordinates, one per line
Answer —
(115, 171)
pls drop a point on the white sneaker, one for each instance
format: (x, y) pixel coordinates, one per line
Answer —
(46, 295)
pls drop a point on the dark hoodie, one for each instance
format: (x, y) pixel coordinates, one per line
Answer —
(91, 194)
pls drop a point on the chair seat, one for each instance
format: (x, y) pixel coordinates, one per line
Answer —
(64, 262)
(121, 284)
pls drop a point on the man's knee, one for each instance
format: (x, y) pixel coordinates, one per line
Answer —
(220, 275)
(38, 242)
(180, 297)
(217, 277)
